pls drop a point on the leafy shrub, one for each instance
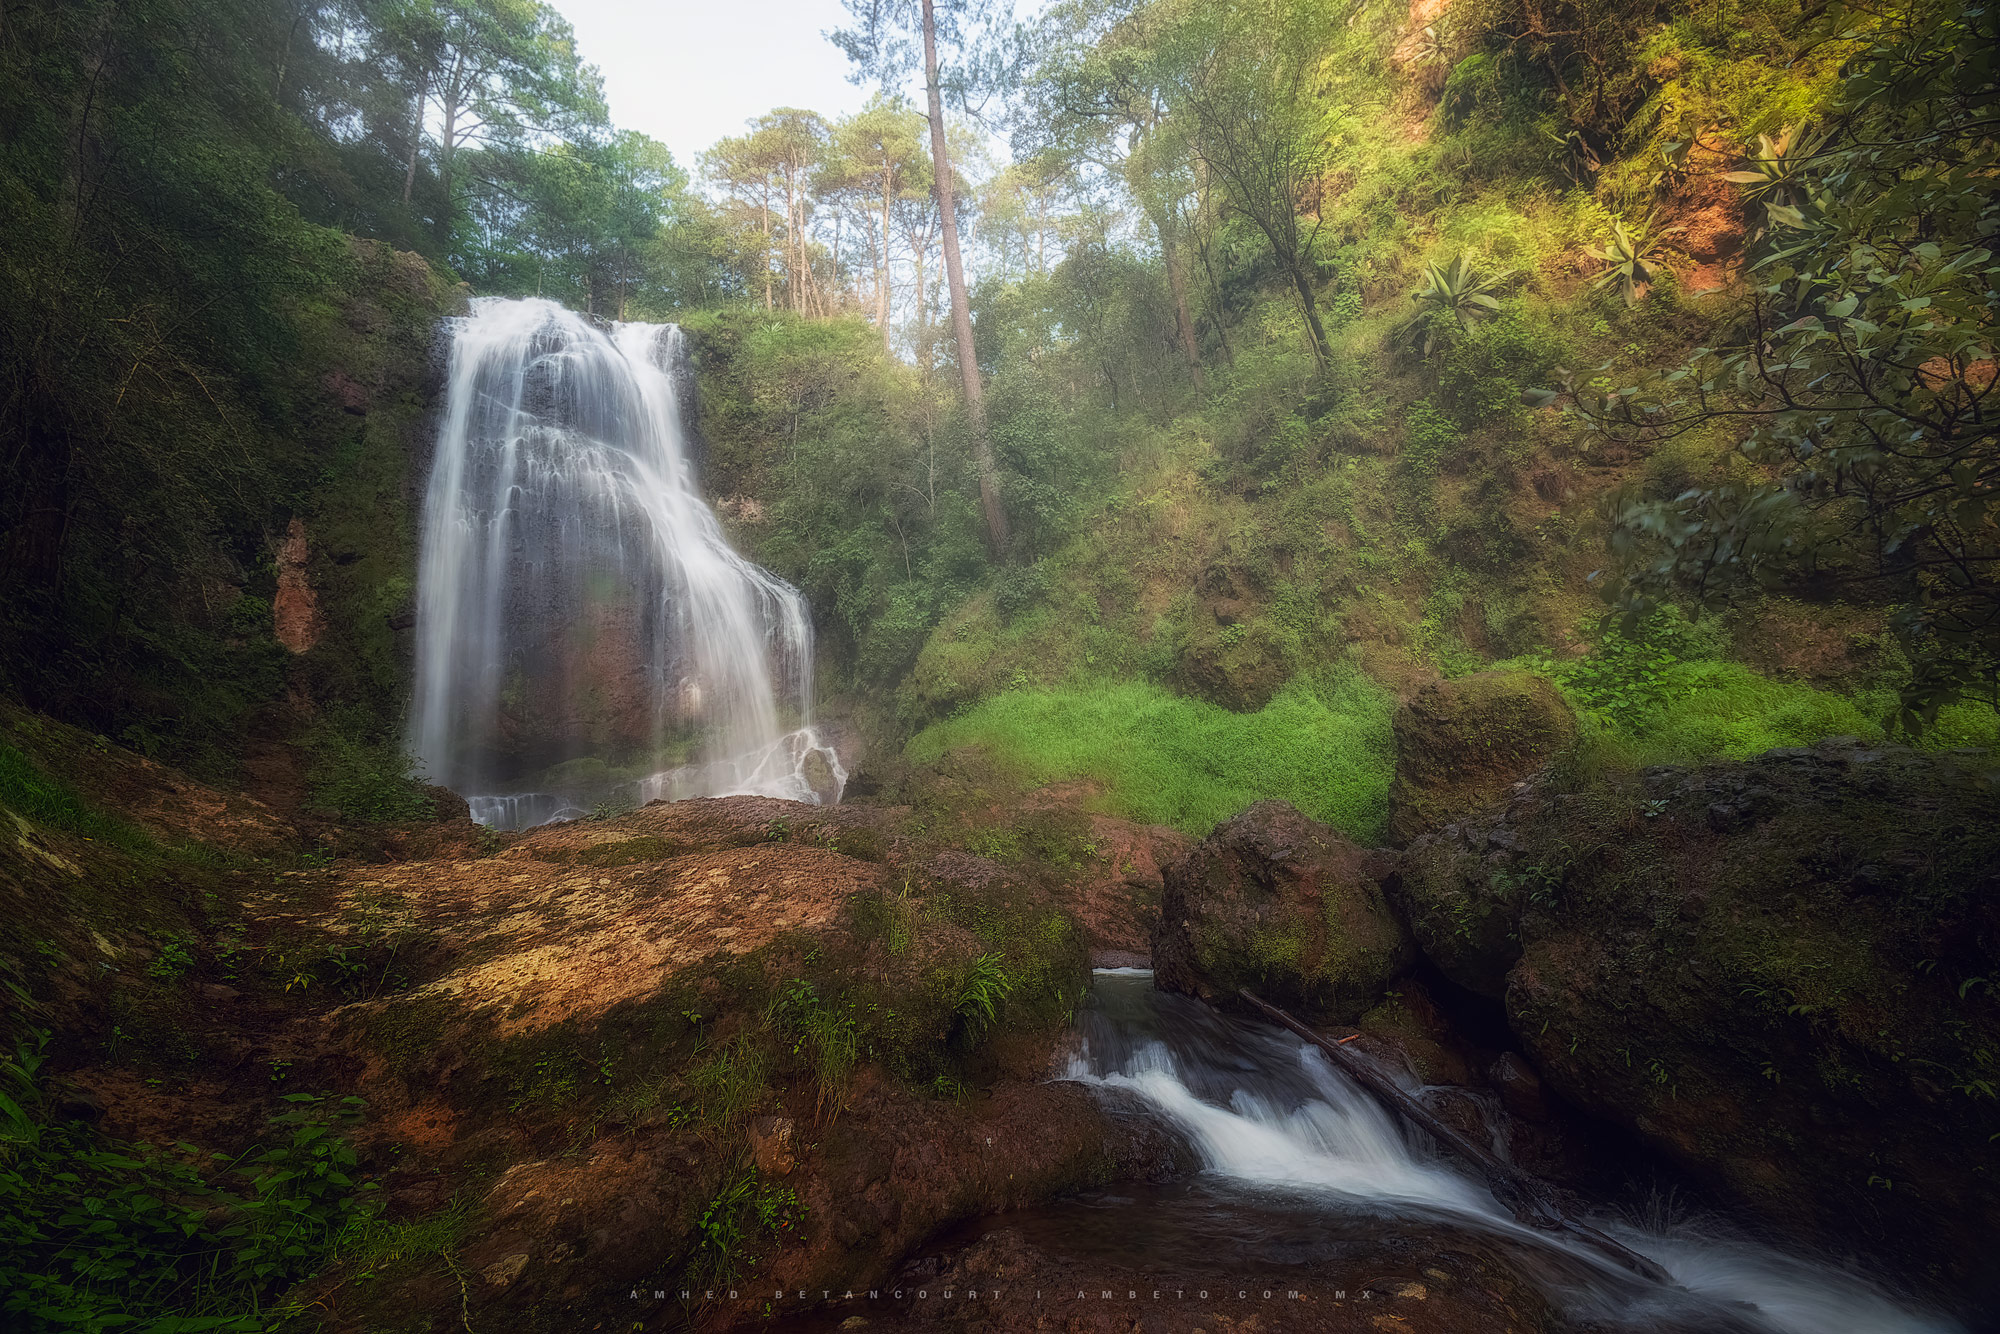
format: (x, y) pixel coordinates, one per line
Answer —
(1659, 694)
(743, 1211)
(362, 779)
(1018, 587)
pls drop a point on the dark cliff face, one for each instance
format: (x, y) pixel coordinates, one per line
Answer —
(1777, 971)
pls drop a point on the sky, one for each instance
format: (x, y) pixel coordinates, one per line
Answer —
(688, 72)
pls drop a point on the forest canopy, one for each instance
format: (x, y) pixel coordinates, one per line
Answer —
(1282, 267)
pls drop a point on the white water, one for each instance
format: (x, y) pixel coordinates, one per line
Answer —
(585, 633)
(1271, 1115)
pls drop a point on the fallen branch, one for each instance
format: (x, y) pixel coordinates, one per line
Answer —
(1531, 1200)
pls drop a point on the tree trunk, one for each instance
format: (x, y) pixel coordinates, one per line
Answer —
(961, 310)
(1304, 286)
(453, 100)
(767, 245)
(1170, 253)
(285, 55)
(923, 329)
(882, 295)
(416, 134)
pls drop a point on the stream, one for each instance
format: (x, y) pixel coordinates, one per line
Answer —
(1301, 1171)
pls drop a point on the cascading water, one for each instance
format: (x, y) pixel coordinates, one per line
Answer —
(1299, 1161)
(585, 633)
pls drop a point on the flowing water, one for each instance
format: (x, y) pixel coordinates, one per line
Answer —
(1300, 1167)
(585, 633)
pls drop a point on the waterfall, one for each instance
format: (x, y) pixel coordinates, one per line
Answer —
(585, 633)
(1278, 1129)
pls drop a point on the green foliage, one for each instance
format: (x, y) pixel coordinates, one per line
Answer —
(1661, 694)
(360, 779)
(745, 1212)
(1322, 745)
(1453, 298)
(96, 1234)
(980, 994)
(28, 792)
(1625, 254)
(731, 1080)
(1780, 174)
(171, 962)
(825, 1033)
(1864, 378)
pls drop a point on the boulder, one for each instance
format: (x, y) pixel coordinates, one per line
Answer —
(1238, 664)
(1283, 905)
(1776, 971)
(1461, 745)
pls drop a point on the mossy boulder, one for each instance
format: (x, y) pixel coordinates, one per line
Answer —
(1461, 745)
(1777, 971)
(1286, 906)
(1238, 665)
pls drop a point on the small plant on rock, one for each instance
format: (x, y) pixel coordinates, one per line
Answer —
(985, 987)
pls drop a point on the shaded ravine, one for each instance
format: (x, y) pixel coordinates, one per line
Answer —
(585, 632)
(1301, 1169)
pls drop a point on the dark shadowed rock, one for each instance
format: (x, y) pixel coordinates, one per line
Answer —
(1774, 970)
(448, 804)
(1283, 905)
(1519, 1087)
(1460, 745)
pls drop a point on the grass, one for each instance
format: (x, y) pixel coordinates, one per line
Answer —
(1322, 744)
(31, 794)
(1724, 710)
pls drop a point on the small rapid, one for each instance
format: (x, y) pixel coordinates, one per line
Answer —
(1289, 1145)
(586, 636)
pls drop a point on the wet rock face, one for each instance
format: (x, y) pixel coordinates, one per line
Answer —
(1283, 905)
(1460, 745)
(1771, 970)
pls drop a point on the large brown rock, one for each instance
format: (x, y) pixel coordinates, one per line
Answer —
(1778, 972)
(1460, 745)
(1283, 905)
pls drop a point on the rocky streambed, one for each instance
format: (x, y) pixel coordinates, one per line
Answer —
(615, 1070)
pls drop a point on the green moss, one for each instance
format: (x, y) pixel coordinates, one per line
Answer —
(1324, 748)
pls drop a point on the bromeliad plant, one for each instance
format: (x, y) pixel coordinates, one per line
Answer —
(1777, 176)
(1626, 254)
(1453, 298)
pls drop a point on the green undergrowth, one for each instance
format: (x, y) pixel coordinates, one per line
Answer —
(33, 795)
(1322, 743)
(1662, 694)
(99, 1234)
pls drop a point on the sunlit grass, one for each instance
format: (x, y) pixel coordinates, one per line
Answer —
(1323, 745)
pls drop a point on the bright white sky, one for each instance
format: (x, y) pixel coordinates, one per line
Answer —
(689, 72)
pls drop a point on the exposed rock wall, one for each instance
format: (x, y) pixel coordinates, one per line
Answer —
(1461, 744)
